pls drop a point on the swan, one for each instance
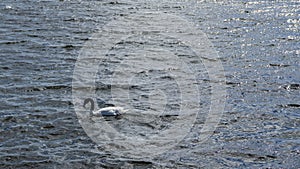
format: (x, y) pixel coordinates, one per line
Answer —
(107, 111)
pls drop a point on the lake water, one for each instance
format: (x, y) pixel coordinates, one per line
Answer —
(43, 123)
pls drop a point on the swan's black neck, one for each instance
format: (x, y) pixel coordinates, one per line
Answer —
(89, 100)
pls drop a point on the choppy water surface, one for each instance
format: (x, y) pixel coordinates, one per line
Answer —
(258, 44)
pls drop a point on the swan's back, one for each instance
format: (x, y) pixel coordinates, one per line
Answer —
(109, 111)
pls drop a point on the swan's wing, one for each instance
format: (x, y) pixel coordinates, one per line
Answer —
(108, 113)
(105, 113)
(109, 109)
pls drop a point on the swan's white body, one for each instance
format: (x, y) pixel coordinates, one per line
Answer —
(109, 111)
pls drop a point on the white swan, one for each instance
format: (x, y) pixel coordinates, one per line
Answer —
(107, 111)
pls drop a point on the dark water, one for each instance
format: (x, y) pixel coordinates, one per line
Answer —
(258, 44)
